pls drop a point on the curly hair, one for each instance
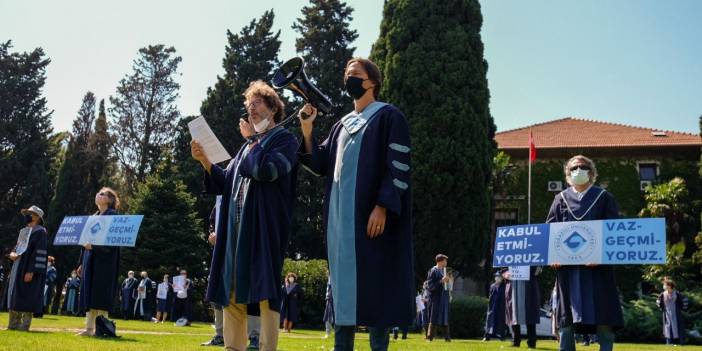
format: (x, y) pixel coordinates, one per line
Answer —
(260, 89)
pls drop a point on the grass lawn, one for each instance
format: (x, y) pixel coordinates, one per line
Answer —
(56, 333)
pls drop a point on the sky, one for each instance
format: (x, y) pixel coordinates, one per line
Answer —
(636, 62)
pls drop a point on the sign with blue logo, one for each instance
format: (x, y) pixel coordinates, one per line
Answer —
(99, 230)
(617, 241)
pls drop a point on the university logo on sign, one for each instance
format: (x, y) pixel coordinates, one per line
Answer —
(575, 242)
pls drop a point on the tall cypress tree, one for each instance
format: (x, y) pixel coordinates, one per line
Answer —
(249, 55)
(170, 235)
(431, 55)
(325, 45)
(27, 148)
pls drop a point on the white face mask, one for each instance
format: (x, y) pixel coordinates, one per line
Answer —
(579, 176)
(261, 126)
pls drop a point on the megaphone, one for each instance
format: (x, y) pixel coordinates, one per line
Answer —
(291, 75)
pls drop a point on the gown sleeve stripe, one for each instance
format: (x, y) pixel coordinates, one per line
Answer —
(41, 252)
(401, 166)
(40, 259)
(284, 160)
(399, 148)
(400, 184)
(40, 265)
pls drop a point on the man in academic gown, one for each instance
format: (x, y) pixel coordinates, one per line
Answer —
(367, 209)
(128, 295)
(258, 193)
(26, 294)
(438, 298)
(495, 320)
(50, 284)
(523, 306)
(588, 297)
(145, 298)
(70, 300)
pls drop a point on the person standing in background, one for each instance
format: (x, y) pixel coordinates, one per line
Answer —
(26, 296)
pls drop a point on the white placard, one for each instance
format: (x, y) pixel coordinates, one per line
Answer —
(519, 273)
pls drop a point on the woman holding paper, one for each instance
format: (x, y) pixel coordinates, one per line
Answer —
(588, 298)
(97, 267)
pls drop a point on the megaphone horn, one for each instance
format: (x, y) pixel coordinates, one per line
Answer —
(291, 75)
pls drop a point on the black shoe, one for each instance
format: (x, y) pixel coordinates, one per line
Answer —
(253, 343)
(216, 341)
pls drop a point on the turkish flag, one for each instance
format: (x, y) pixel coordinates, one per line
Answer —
(532, 148)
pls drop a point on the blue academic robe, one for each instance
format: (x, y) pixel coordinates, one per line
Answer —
(290, 304)
(372, 279)
(70, 301)
(587, 296)
(49, 285)
(128, 294)
(256, 247)
(495, 320)
(29, 297)
(99, 275)
(677, 326)
(438, 297)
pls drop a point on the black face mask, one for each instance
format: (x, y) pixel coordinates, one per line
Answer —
(27, 219)
(354, 87)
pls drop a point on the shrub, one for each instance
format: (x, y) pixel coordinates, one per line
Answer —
(467, 317)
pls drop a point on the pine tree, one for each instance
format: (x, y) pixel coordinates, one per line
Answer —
(27, 146)
(170, 235)
(145, 112)
(324, 44)
(250, 55)
(431, 55)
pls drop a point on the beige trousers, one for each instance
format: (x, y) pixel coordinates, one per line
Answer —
(235, 335)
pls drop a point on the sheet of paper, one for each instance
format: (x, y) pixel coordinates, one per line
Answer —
(202, 133)
(178, 283)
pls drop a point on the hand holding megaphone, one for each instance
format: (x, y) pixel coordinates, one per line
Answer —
(307, 115)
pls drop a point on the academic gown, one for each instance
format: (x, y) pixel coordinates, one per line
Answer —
(372, 279)
(128, 295)
(255, 248)
(673, 321)
(587, 296)
(290, 305)
(523, 300)
(145, 303)
(29, 297)
(99, 275)
(50, 285)
(70, 301)
(329, 305)
(495, 320)
(438, 298)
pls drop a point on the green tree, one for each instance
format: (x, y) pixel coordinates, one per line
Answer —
(431, 55)
(27, 146)
(170, 235)
(324, 42)
(145, 112)
(250, 55)
(671, 201)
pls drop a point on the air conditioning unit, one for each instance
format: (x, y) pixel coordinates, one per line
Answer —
(646, 183)
(555, 185)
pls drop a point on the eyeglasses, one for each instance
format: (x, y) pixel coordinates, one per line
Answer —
(583, 167)
(253, 104)
(102, 194)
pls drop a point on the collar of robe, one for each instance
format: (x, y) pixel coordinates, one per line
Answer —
(354, 121)
(578, 218)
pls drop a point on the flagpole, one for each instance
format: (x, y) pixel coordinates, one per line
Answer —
(532, 157)
(529, 191)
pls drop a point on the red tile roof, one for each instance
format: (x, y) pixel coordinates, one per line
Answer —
(579, 133)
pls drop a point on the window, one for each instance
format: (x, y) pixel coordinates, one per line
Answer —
(506, 217)
(648, 171)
